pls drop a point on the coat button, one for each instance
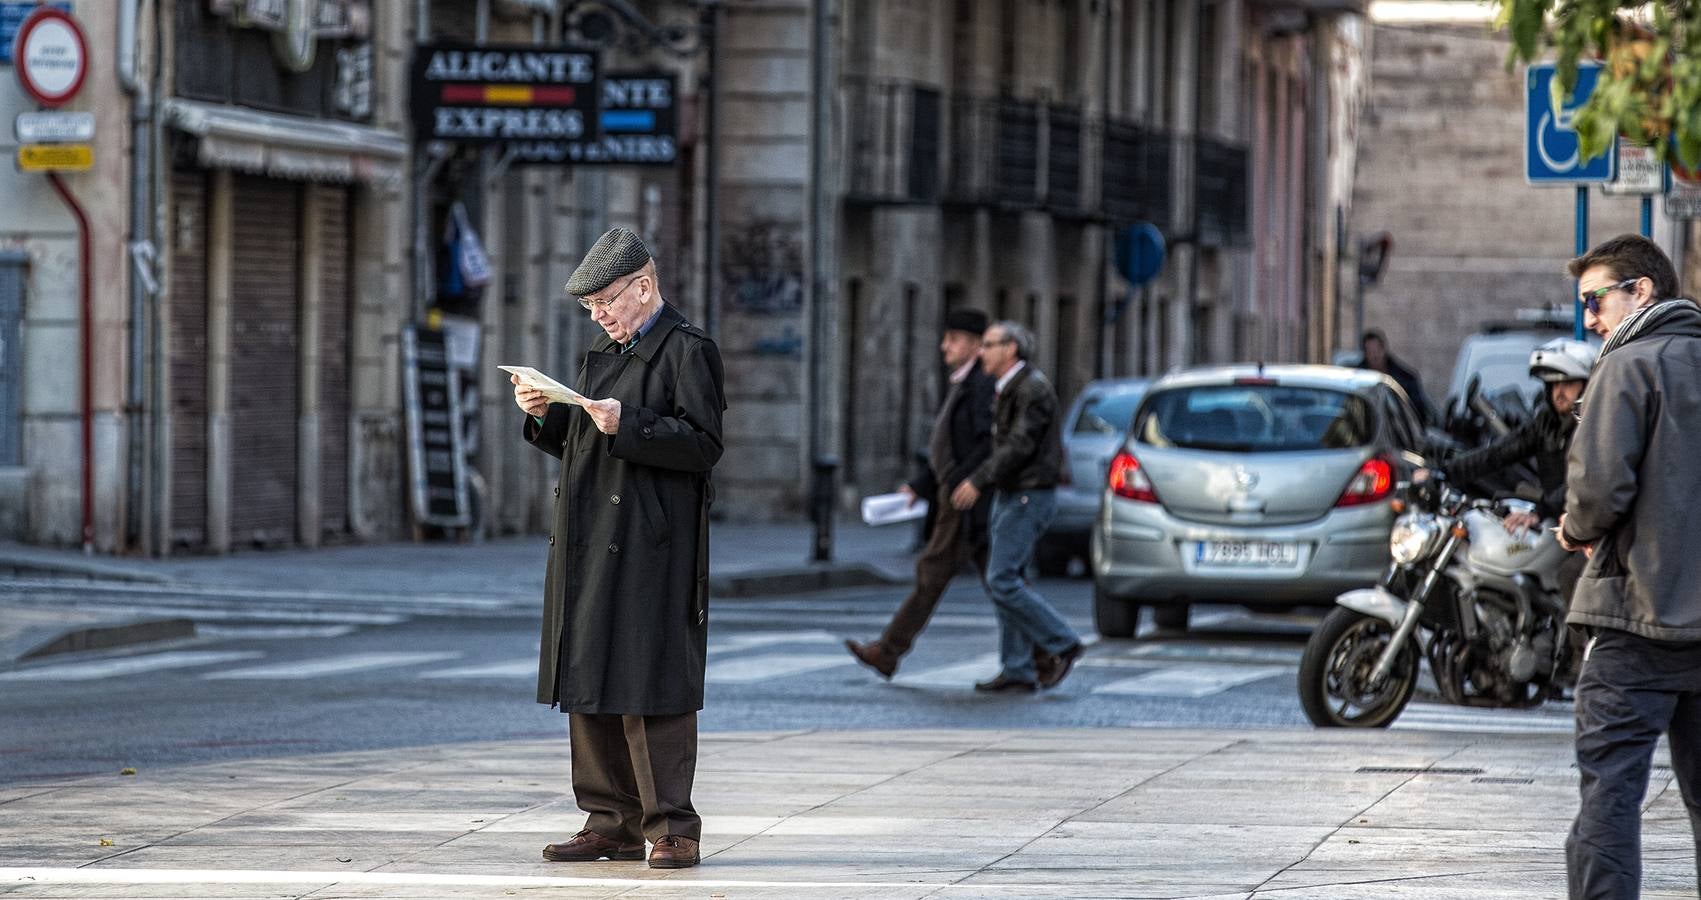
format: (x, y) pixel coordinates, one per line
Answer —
(615, 499)
(552, 540)
(648, 431)
(558, 490)
(614, 548)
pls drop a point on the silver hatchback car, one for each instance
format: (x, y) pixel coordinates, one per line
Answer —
(1262, 486)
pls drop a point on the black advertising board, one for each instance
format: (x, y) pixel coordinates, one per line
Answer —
(637, 126)
(436, 464)
(471, 94)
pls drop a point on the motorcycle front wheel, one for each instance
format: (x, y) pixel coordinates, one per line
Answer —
(1334, 673)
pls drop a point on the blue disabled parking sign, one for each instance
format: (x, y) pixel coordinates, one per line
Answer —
(1551, 151)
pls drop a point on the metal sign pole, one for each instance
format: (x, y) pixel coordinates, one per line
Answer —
(1648, 216)
(1582, 248)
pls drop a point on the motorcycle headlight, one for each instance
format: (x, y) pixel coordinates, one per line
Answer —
(1412, 538)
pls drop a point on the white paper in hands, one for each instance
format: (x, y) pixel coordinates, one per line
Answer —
(888, 509)
(554, 391)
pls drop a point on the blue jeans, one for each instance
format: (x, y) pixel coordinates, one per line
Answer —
(1025, 619)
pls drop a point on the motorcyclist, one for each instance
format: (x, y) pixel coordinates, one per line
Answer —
(1563, 367)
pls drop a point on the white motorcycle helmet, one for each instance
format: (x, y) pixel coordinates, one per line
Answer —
(1562, 359)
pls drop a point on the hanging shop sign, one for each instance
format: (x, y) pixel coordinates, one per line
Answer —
(51, 56)
(470, 94)
(637, 126)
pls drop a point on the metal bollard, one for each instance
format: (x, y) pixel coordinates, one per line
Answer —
(822, 506)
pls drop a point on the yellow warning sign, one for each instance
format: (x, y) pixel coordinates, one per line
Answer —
(56, 157)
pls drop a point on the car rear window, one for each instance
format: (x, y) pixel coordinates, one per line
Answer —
(1107, 413)
(1255, 418)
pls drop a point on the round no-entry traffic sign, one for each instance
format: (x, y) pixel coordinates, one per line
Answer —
(51, 56)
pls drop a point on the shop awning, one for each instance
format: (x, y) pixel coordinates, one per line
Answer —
(295, 147)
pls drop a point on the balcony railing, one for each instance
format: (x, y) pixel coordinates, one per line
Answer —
(1063, 167)
(1136, 175)
(1220, 191)
(892, 141)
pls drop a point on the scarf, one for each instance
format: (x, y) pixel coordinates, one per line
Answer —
(1638, 321)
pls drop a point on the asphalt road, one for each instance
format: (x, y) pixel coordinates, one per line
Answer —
(269, 677)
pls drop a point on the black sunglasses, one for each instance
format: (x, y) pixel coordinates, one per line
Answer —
(1592, 299)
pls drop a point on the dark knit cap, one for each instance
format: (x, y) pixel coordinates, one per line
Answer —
(616, 254)
(972, 321)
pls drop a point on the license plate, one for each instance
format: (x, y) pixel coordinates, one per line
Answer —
(1252, 554)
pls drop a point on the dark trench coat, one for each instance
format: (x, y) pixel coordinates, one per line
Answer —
(625, 601)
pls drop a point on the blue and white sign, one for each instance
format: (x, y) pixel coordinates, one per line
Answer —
(1551, 151)
(12, 16)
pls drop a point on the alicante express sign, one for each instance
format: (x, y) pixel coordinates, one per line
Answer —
(466, 93)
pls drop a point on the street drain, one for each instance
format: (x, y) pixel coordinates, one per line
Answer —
(1414, 770)
(1503, 781)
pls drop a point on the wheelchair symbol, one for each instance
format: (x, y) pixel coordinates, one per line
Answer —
(1559, 126)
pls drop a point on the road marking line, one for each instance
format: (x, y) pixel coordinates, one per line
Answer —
(1445, 717)
(1191, 681)
(515, 668)
(747, 669)
(90, 670)
(1211, 653)
(961, 674)
(737, 642)
(272, 632)
(332, 665)
(46, 875)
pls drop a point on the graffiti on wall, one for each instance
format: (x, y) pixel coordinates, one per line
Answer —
(762, 268)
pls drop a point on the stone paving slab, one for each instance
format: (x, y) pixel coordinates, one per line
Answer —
(906, 815)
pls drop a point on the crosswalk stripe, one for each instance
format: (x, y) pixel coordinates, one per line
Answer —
(753, 640)
(960, 674)
(1191, 681)
(525, 667)
(333, 665)
(1212, 653)
(90, 670)
(747, 669)
(1443, 717)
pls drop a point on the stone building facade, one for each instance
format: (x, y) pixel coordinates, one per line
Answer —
(861, 167)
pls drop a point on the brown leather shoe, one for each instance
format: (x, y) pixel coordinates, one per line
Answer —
(874, 657)
(1004, 685)
(674, 852)
(588, 846)
(1059, 670)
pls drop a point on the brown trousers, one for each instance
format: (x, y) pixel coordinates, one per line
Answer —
(947, 550)
(632, 775)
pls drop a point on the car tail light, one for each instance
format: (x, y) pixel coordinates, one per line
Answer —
(1374, 481)
(1127, 479)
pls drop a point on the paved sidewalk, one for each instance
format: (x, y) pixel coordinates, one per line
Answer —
(914, 814)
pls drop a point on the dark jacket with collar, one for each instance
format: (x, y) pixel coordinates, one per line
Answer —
(1027, 439)
(1633, 484)
(969, 422)
(625, 598)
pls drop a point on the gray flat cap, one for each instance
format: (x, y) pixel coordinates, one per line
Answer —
(616, 254)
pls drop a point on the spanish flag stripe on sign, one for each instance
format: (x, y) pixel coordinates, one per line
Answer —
(508, 95)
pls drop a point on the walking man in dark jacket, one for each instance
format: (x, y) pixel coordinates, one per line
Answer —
(1377, 358)
(625, 615)
(1021, 475)
(1630, 503)
(962, 440)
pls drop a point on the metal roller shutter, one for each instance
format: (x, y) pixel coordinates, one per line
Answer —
(187, 340)
(334, 259)
(265, 362)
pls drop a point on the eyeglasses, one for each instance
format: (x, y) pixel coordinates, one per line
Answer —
(603, 305)
(1592, 299)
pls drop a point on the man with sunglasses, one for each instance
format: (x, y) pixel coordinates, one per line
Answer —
(625, 610)
(1632, 483)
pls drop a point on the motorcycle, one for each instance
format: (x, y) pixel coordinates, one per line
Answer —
(1484, 606)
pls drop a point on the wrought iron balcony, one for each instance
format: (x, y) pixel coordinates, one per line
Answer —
(1221, 192)
(892, 138)
(1064, 166)
(1136, 175)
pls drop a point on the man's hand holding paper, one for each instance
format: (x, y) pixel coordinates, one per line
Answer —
(553, 391)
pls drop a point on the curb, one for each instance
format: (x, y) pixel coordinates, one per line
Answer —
(18, 566)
